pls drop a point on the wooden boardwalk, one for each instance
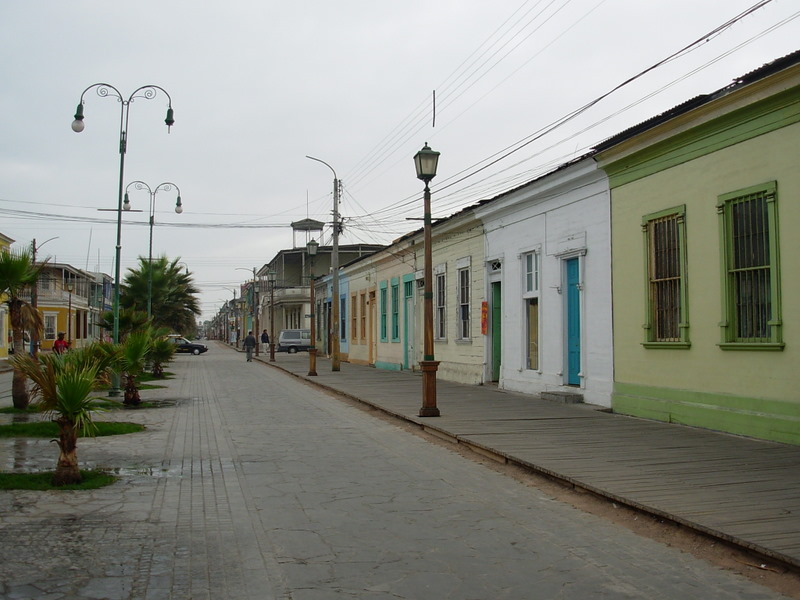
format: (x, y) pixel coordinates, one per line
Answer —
(741, 490)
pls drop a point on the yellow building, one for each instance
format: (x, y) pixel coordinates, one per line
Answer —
(706, 300)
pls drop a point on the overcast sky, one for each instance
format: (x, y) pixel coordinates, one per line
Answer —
(257, 85)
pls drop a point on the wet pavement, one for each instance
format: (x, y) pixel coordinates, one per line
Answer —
(249, 484)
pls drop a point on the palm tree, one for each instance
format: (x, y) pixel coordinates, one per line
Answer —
(174, 302)
(61, 385)
(131, 361)
(17, 273)
(161, 350)
(130, 320)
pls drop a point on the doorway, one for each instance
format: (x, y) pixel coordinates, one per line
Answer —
(573, 321)
(497, 337)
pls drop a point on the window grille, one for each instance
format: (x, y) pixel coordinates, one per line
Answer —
(667, 314)
(749, 272)
(751, 301)
(665, 278)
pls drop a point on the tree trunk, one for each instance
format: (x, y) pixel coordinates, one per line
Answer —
(67, 471)
(19, 388)
(131, 392)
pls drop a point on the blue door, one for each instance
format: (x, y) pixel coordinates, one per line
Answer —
(573, 322)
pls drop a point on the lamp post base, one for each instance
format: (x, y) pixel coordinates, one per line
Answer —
(271, 352)
(312, 362)
(114, 391)
(429, 408)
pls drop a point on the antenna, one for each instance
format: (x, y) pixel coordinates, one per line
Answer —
(433, 124)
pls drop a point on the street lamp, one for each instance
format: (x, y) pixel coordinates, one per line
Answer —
(426, 161)
(141, 185)
(335, 361)
(105, 90)
(312, 248)
(271, 277)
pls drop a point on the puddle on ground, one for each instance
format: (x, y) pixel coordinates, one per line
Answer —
(142, 471)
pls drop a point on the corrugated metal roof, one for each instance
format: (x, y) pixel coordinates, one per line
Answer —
(762, 72)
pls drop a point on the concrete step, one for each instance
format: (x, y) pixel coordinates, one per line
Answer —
(563, 397)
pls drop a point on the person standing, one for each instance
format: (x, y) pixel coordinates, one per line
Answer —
(60, 345)
(265, 340)
(249, 345)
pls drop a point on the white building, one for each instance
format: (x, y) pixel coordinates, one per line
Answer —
(548, 285)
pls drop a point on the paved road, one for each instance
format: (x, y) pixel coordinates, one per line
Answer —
(254, 485)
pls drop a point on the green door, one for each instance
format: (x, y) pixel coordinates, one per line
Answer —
(496, 331)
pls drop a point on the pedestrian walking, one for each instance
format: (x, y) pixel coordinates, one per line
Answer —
(249, 345)
(265, 340)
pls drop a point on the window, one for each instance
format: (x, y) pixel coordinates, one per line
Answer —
(667, 322)
(384, 308)
(530, 299)
(463, 304)
(343, 317)
(50, 324)
(363, 316)
(354, 317)
(751, 294)
(440, 314)
(531, 267)
(395, 310)
(532, 333)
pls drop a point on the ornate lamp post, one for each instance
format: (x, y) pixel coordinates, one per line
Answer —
(335, 360)
(312, 248)
(141, 185)
(105, 90)
(271, 277)
(426, 161)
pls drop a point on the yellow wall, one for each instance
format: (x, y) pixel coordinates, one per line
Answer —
(697, 184)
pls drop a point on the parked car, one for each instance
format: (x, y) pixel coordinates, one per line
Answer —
(182, 345)
(292, 340)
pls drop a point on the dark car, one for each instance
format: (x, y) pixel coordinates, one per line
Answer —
(184, 346)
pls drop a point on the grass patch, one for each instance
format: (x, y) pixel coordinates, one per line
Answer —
(91, 480)
(10, 410)
(145, 377)
(48, 429)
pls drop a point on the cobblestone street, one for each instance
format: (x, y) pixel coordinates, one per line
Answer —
(250, 484)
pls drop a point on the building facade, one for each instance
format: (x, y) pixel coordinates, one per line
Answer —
(704, 201)
(548, 265)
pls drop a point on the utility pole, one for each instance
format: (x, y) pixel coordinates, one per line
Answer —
(34, 304)
(335, 360)
(35, 296)
(336, 329)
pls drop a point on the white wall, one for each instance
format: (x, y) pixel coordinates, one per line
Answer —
(562, 215)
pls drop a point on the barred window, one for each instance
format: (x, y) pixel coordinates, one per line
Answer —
(667, 315)
(751, 301)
